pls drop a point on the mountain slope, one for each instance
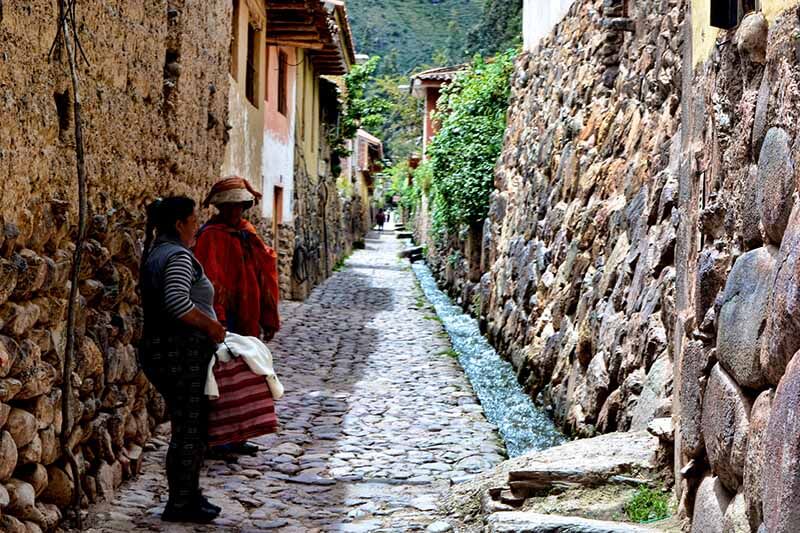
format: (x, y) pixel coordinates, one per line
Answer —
(409, 33)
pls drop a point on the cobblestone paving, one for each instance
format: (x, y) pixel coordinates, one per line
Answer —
(377, 421)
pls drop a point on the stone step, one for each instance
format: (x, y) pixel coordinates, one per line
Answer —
(405, 235)
(525, 522)
(409, 252)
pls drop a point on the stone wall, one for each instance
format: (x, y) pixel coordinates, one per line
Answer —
(154, 100)
(326, 226)
(737, 331)
(577, 252)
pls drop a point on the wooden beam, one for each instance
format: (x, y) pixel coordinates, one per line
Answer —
(289, 26)
(309, 45)
(286, 6)
(294, 34)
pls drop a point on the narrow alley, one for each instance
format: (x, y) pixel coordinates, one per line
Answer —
(377, 421)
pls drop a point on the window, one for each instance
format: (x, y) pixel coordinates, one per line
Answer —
(268, 52)
(725, 14)
(283, 61)
(251, 76)
(235, 41)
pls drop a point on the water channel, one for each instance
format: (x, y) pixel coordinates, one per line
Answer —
(522, 425)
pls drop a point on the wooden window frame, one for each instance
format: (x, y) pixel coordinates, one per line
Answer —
(283, 81)
(268, 53)
(252, 64)
(235, 40)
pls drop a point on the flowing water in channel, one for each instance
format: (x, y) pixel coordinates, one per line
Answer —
(523, 426)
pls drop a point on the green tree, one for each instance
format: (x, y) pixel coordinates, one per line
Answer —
(499, 29)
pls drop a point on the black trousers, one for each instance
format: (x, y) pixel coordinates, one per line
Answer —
(178, 366)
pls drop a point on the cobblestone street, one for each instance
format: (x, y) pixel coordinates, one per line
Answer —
(377, 422)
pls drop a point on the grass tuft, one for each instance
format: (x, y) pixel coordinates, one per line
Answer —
(648, 505)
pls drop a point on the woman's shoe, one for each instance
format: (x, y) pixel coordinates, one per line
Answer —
(237, 448)
(202, 501)
(196, 514)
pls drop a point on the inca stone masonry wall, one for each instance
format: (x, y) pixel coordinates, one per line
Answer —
(738, 375)
(578, 249)
(646, 225)
(154, 100)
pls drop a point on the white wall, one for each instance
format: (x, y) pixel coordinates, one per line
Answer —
(277, 165)
(539, 18)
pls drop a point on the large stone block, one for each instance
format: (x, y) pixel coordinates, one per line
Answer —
(18, 319)
(712, 267)
(656, 389)
(8, 455)
(693, 362)
(735, 520)
(775, 183)
(757, 458)
(23, 500)
(710, 505)
(23, 427)
(781, 477)
(782, 334)
(726, 423)
(743, 316)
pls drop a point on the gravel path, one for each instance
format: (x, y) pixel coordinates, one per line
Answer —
(377, 421)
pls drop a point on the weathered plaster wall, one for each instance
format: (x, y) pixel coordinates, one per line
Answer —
(539, 17)
(278, 158)
(154, 99)
(736, 338)
(245, 125)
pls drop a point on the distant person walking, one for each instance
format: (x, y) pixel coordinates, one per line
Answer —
(388, 216)
(380, 218)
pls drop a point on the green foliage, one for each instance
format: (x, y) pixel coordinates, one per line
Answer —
(454, 258)
(648, 505)
(360, 109)
(499, 28)
(410, 185)
(477, 305)
(409, 32)
(402, 118)
(472, 112)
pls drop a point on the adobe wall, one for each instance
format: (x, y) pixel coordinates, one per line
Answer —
(154, 106)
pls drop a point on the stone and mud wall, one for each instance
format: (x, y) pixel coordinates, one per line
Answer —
(154, 108)
(577, 253)
(738, 319)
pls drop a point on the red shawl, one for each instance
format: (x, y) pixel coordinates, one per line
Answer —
(244, 272)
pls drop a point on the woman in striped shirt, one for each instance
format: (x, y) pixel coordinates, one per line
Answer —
(181, 333)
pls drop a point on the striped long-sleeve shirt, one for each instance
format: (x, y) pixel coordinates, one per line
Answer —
(179, 276)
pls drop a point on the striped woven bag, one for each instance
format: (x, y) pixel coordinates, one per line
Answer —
(245, 408)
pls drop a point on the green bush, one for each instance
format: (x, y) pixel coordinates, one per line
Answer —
(472, 113)
(648, 505)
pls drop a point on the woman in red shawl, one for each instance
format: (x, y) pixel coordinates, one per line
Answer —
(243, 270)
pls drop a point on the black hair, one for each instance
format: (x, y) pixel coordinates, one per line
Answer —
(162, 215)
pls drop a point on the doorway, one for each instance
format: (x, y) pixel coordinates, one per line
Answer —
(277, 215)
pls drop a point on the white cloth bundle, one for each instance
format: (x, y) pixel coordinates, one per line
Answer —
(257, 356)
